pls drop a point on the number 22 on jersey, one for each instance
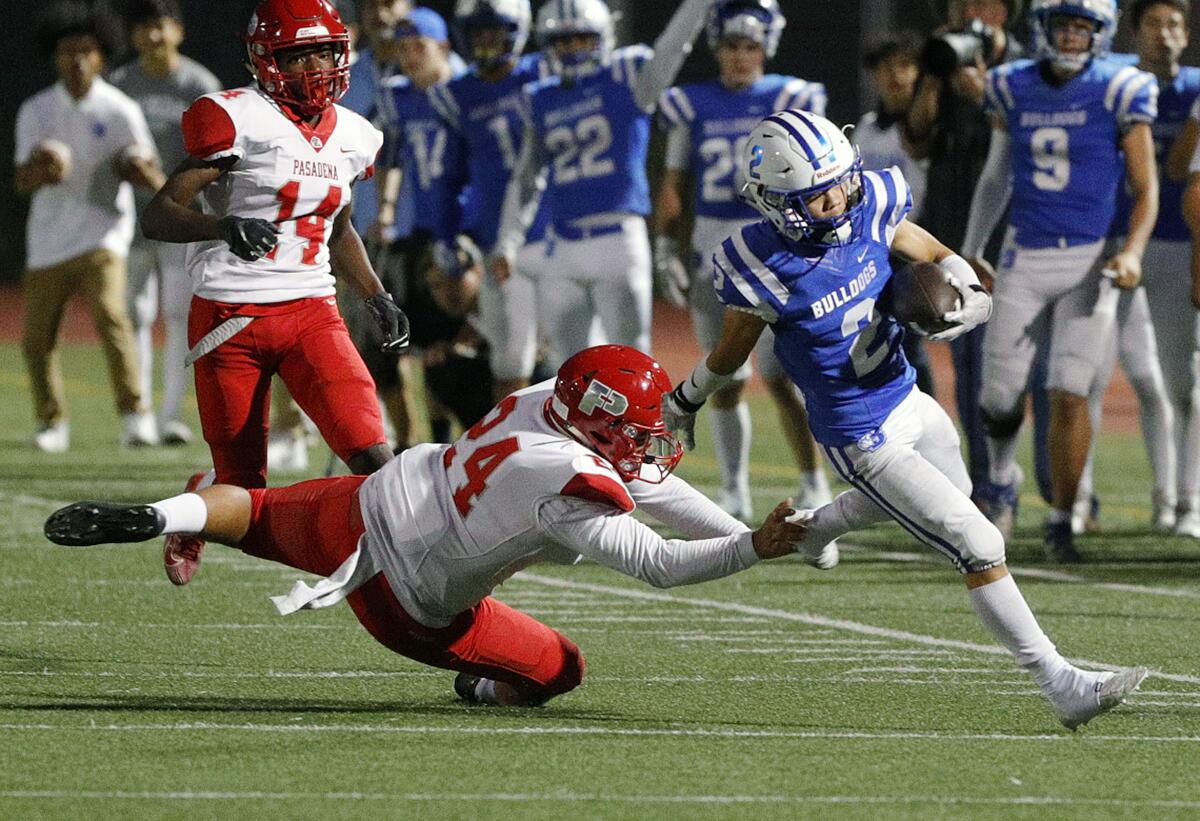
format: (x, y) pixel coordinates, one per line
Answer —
(482, 461)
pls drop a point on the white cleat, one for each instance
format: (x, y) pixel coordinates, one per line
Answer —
(736, 504)
(813, 496)
(1163, 519)
(138, 429)
(824, 557)
(173, 433)
(1101, 694)
(1188, 524)
(54, 438)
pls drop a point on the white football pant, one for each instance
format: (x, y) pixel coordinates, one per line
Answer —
(157, 273)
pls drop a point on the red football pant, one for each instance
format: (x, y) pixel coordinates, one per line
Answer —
(307, 344)
(314, 526)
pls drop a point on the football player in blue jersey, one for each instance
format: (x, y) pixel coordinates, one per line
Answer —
(817, 271)
(420, 148)
(1160, 30)
(482, 107)
(709, 123)
(588, 133)
(1067, 126)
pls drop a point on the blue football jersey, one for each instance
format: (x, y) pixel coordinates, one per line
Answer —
(719, 121)
(1174, 105)
(488, 116)
(831, 337)
(595, 138)
(424, 148)
(1065, 143)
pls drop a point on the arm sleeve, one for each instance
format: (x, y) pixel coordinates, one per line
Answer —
(524, 194)
(991, 195)
(680, 506)
(1135, 98)
(209, 133)
(670, 50)
(679, 147)
(626, 545)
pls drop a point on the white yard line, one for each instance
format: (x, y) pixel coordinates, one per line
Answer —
(579, 798)
(660, 732)
(809, 618)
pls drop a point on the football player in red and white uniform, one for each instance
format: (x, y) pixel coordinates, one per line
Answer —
(272, 165)
(417, 547)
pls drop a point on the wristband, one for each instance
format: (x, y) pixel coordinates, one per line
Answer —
(702, 383)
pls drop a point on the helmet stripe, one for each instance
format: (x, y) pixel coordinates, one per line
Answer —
(804, 145)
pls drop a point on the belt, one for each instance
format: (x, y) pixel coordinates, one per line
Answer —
(575, 233)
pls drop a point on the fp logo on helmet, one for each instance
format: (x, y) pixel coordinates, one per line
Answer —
(599, 395)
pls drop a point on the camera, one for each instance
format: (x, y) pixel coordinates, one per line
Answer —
(943, 54)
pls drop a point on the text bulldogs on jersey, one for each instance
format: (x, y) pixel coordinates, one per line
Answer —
(845, 293)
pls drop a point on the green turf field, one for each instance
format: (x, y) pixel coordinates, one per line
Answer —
(866, 692)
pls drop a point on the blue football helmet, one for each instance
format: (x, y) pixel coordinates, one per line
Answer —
(758, 20)
(512, 15)
(1103, 13)
(565, 18)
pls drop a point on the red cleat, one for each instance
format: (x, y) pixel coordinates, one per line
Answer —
(181, 551)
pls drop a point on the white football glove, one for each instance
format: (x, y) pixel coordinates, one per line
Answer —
(670, 273)
(975, 309)
(679, 415)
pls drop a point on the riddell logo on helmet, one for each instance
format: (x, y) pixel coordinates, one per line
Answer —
(312, 31)
(599, 395)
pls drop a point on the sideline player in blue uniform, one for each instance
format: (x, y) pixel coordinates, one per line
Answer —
(708, 125)
(1066, 127)
(483, 107)
(817, 271)
(588, 133)
(1160, 30)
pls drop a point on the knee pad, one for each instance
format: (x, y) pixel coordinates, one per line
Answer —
(1001, 426)
(983, 546)
(566, 680)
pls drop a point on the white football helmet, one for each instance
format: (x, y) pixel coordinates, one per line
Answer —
(512, 15)
(758, 20)
(1101, 12)
(793, 156)
(563, 18)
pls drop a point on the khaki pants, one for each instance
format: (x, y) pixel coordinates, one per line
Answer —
(100, 275)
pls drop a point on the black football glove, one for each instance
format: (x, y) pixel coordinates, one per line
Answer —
(392, 322)
(249, 238)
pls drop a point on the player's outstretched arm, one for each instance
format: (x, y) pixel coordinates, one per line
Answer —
(670, 50)
(1179, 158)
(521, 201)
(1141, 176)
(738, 337)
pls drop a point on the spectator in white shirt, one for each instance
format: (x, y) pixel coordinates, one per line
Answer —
(79, 145)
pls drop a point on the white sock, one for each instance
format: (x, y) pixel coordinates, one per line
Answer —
(731, 432)
(185, 513)
(1004, 611)
(1002, 455)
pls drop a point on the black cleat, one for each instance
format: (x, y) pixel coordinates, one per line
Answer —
(90, 523)
(1059, 543)
(465, 685)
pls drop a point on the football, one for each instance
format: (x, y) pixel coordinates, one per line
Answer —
(921, 296)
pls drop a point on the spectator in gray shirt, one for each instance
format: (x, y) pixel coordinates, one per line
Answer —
(164, 83)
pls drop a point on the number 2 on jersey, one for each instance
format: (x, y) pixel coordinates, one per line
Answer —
(862, 357)
(484, 460)
(310, 226)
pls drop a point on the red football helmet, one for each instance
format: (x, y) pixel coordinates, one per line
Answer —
(610, 399)
(278, 25)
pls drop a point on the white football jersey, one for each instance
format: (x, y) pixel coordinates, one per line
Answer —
(298, 177)
(449, 523)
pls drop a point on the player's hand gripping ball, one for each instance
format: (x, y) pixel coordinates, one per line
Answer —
(922, 296)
